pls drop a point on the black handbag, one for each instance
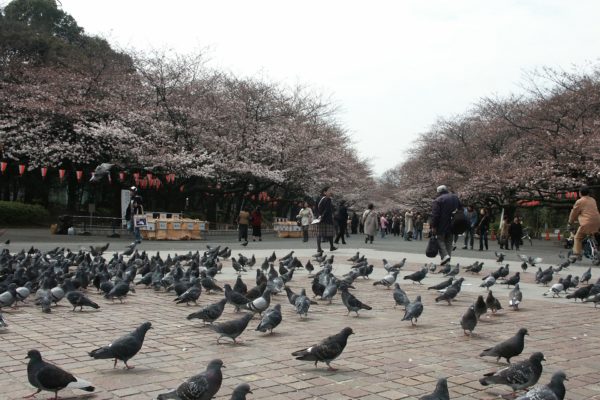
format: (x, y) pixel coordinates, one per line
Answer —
(432, 247)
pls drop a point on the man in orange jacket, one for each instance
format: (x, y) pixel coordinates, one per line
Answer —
(586, 212)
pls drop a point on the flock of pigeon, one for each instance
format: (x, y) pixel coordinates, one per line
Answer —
(49, 277)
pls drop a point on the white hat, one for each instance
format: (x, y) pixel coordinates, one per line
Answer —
(133, 189)
(442, 188)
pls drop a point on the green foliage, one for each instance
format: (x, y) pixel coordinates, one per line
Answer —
(15, 213)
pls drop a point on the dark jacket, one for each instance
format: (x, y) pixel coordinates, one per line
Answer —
(441, 212)
(342, 215)
(326, 210)
(515, 231)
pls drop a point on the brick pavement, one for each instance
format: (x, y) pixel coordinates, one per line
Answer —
(385, 359)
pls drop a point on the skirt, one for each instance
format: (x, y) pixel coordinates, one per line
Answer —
(324, 229)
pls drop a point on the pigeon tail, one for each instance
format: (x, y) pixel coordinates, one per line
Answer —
(102, 353)
(169, 395)
(81, 385)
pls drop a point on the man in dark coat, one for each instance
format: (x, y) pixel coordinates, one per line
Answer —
(325, 228)
(342, 222)
(441, 217)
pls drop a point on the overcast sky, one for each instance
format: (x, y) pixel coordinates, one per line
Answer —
(393, 67)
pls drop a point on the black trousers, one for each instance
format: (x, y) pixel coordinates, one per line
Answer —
(341, 234)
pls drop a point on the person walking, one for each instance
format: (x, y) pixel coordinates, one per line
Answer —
(515, 232)
(503, 234)
(306, 217)
(325, 227)
(483, 227)
(256, 222)
(342, 222)
(134, 208)
(471, 216)
(354, 223)
(370, 224)
(383, 222)
(418, 227)
(243, 220)
(585, 211)
(408, 222)
(441, 216)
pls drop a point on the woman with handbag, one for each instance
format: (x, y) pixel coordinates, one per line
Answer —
(305, 217)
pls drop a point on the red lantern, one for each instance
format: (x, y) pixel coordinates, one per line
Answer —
(149, 176)
(79, 175)
(172, 178)
(121, 176)
(136, 176)
(61, 174)
(3, 166)
(157, 183)
(44, 172)
(143, 183)
(21, 169)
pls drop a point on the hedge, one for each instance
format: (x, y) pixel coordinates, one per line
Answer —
(16, 213)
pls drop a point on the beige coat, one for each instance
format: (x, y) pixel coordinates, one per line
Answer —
(585, 211)
(369, 219)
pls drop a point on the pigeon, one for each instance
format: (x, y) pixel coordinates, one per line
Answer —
(270, 320)
(455, 270)
(125, 347)
(272, 258)
(192, 294)
(351, 302)
(417, 276)
(120, 291)
(488, 282)
(515, 297)
(555, 390)
(3, 323)
(586, 276)
(518, 376)
(593, 299)
(468, 322)
(524, 266)
(240, 392)
(45, 376)
(209, 313)
(475, 268)
(245, 243)
(448, 295)
(581, 293)
(235, 298)
(232, 329)
(9, 297)
(413, 311)
(356, 257)
(101, 171)
(440, 392)
(302, 304)
(240, 286)
(203, 386)
(326, 351)
(78, 299)
(479, 307)
(98, 250)
(556, 289)
(309, 267)
(492, 303)
(513, 280)
(443, 285)
(388, 280)
(400, 297)
(509, 348)
(499, 257)
(261, 303)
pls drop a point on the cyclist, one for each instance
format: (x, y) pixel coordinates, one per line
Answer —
(586, 212)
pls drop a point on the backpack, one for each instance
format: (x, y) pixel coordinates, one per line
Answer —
(458, 222)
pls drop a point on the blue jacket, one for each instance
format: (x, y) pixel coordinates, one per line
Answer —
(441, 212)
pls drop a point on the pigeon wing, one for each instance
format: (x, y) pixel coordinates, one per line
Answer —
(51, 377)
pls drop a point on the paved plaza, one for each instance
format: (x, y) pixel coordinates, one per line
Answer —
(385, 359)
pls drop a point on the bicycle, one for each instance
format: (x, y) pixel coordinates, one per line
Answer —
(589, 246)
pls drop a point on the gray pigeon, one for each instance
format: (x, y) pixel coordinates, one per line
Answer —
(488, 282)
(45, 376)
(448, 295)
(78, 299)
(413, 311)
(388, 280)
(209, 313)
(235, 298)
(326, 351)
(270, 320)
(479, 307)
(468, 322)
(240, 392)
(351, 302)
(417, 276)
(232, 329)
(125, 347)
(260, 304)
(515, 297)
(443, 285)
(518, 376)
(192, 294)
(203, 386)
(440, 392)
(400, 296)
(101, 171)
(509, 348)
(555, 390)
(586, 276)
(302, 304)
(9, 297)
